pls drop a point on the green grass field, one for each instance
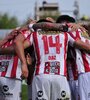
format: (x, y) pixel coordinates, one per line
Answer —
(24, 92)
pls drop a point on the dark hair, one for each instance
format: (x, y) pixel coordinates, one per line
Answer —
(63, 18)
(43, 20)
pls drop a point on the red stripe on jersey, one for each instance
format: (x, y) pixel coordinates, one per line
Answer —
(65, 50)
(37, 53)
(86, 63)
(72, 70)
(73, 63)
(77, 34)
(75, 71)
(25, 32)
(8, 43)
(73, 35)
(14, 67)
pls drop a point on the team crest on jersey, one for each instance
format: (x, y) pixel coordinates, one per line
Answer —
(49, 32)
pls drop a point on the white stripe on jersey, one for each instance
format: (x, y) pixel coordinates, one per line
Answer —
(10, 69)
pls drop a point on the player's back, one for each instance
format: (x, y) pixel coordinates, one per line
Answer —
(50, 50)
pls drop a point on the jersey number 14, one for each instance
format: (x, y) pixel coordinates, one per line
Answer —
(48, 42)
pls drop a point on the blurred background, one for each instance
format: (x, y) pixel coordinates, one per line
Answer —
(14, 13)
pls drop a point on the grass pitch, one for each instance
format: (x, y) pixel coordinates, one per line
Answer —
(24, 92)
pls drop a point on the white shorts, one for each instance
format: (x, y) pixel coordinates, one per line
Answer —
(84, 86)
(74, 89)
(50, 87)
(10, 89)
(29, 88)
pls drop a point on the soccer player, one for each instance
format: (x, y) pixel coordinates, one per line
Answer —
(71, 60)
(67, 19)
(10, 70)
(82, 62)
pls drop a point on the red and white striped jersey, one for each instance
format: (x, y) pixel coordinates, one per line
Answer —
(10, 65)
(82, 58)
(51, 52)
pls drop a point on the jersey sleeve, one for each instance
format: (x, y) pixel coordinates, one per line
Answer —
(28, 35)
(30, 38)
(25, 33)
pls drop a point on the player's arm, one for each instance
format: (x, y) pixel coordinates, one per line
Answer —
(75, 26)
(82, 45)
(8, 37)
(58, 27)
(79, 44)
(11, 50)
(19, 47)
(50, 26)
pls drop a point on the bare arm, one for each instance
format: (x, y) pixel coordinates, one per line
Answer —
(9, 37)
(19, 47)
(82, 45)
(11, 50)
(50, 26)
(58, 26)
(75, 26)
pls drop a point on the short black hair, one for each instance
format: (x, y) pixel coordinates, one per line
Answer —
(63, 18)
(43, 20)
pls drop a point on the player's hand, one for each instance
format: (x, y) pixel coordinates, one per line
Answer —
(24, 71)
(50, 19)
(32, 21)
(74, 27)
